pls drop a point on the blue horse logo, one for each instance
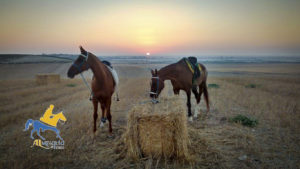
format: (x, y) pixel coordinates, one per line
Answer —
(38, 126)
(49, 123)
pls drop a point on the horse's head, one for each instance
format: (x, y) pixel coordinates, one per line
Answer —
(80, 64)
(157, 84)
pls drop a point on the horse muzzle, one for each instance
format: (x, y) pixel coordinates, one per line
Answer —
(153, 95)
(71, 76)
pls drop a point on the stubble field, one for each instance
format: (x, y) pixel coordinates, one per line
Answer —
(215, 142)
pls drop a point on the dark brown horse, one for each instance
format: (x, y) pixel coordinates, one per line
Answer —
(181, 78)
(103, 84)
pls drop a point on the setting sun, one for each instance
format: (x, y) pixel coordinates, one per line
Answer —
(147, 53)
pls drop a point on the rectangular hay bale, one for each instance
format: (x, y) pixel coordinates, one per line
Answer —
(42, 79)
(158, 130)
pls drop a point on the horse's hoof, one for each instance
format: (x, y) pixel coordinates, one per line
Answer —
(190, 119)
(101, 125)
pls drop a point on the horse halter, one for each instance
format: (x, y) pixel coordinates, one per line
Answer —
(154, 101)
(78, 67)
(155, 93)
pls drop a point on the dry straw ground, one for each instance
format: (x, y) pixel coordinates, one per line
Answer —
(43, 79)
(214, 142)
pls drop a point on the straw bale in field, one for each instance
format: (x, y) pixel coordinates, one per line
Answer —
(158, 130)
(42, 79)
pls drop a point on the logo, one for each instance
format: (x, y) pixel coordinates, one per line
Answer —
(47, 122)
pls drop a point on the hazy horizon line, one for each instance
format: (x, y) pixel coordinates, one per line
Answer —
(167, 55)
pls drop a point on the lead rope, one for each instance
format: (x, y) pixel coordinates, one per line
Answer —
(87, 85)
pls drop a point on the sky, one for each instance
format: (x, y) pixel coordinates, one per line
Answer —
(162, 28)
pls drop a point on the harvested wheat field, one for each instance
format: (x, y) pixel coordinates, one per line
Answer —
(214, 141)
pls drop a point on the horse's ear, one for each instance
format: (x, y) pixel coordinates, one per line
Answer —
(152, 72)
(83, 51)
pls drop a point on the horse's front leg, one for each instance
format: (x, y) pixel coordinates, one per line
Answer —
(188, 94)
(95, 103)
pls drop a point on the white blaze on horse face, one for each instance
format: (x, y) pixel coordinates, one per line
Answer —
(191, 119)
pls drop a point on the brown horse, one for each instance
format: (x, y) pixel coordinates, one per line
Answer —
(103, 84)
(181, 78)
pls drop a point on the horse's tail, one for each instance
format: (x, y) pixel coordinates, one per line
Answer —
(203, 87)
(30, 121)
(116, 80)
(205, 92)
(117, 95)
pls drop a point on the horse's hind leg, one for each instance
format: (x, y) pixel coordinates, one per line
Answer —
(198, 98)
(188, 94)
(103, 117)
(196, 94)
(206, 96)
(108, 104)
(95, 103)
